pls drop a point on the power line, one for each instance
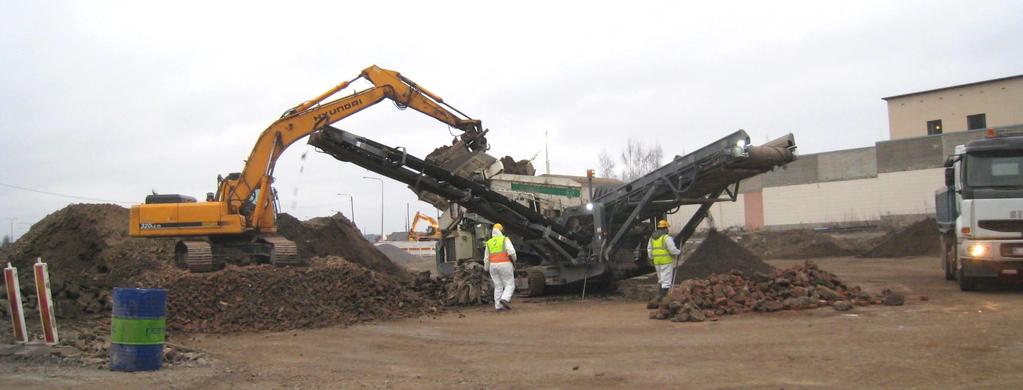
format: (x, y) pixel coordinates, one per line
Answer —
(62, 195)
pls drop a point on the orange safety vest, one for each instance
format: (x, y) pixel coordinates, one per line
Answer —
(495, 245)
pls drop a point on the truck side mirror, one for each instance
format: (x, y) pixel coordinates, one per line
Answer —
(950, 177)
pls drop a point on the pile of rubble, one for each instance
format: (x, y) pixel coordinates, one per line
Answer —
(470, 285)
(801, 287)
(86, 344)
(331, 291)
(918, 239)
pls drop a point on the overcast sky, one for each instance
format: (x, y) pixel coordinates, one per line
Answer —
(111, 100)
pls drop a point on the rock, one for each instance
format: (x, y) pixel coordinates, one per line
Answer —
(894, 299)
(923, 298)
(697, 316)
(826, 293)
(842, 306)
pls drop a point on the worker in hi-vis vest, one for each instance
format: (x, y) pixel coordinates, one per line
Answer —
(498, 258)
(661, 251)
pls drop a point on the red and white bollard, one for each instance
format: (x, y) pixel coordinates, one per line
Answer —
(17, 310)
(45, 303)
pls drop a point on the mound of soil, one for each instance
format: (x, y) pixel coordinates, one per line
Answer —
(397, 255)
(919, 239)
(719, 254)
(331, 291)
(87, 250)
(794, 244)
(335, 236)
(801, 287)
(87, 243)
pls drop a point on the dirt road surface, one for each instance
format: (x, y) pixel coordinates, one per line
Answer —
(952, 340)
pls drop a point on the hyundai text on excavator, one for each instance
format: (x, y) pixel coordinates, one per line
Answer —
(238, 223)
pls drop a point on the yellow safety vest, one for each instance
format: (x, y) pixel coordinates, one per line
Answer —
(660, 252)
(495, 245)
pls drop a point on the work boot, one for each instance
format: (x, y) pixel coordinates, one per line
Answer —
(504, 303)
(662, 293)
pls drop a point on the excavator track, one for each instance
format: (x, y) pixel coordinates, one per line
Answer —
(284, 252)
(196, 256)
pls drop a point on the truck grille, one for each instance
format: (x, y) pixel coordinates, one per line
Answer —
(1008, 249)
(1002, 225)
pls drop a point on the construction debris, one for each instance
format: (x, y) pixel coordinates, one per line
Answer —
(520, 167)
(470, 285)
(331, 291)
(801, 287)
(919, 239)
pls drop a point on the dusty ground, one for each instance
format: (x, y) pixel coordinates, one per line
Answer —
(953, 340)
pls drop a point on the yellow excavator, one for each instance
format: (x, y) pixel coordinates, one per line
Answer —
(432, 233)
(238, 223)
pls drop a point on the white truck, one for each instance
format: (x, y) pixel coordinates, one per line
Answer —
(980, 210)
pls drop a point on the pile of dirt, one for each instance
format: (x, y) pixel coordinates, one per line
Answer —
(335, 236)
(801, 287)
(87, 250)
(397, 255)
(794, 244)
(521, 167)
(919, 239)
(719, 254)
(331, 291)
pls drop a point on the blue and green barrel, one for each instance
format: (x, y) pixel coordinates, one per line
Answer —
(137, 329)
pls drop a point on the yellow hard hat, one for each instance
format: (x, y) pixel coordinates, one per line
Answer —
(662, 224)
(499, 227)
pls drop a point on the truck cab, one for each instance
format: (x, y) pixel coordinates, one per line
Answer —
(980, 210)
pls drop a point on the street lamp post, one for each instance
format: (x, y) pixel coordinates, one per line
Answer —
(381, 204)
(12, 227)
(351, 203)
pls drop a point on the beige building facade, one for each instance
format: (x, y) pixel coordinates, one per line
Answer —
(985, 104)
(890, 183)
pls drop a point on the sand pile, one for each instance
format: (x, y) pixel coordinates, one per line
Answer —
(919, 239)
(800, 287)
(719, 254)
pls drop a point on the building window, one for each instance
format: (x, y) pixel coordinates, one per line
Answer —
(976, 121)
(934, 127)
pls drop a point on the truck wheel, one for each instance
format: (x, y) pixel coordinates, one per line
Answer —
(966, 283)
(537, 282)
(947, 259)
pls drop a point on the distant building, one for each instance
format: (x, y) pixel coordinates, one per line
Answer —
(890, 183)
(993, 103)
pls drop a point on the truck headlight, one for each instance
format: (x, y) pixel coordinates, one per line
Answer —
(589, 207)
(978, 249)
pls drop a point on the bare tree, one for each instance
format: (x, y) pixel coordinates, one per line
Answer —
(606, 165)
(639, 159)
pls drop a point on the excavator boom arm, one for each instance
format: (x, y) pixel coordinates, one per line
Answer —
(311, 115)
